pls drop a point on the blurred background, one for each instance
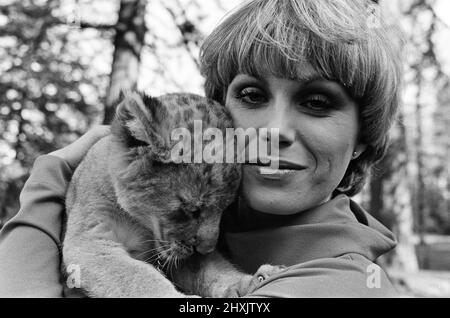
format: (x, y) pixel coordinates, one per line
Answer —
(62, 62)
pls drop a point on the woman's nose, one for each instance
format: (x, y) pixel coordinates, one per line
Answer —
(280, 120)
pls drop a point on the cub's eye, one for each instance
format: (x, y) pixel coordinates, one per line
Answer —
(185, 215)
(196, 214)
(133, 142)
(179, 216)
(252, 96)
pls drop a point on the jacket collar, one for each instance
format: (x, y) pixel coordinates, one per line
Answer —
(330, 230)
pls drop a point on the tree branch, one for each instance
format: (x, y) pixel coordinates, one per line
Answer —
(185, 33)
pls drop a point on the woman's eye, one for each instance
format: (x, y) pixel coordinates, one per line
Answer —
(318, 104)
(252, 96)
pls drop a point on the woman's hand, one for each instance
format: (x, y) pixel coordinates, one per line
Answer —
(75, 152)
(30, 257)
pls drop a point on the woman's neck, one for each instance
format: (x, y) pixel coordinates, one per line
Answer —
(250, 219)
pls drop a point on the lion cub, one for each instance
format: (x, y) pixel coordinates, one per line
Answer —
(134, 216)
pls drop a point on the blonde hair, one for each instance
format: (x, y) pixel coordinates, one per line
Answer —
(342, 39)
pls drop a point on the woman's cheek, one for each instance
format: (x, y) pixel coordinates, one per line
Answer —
(332, 162)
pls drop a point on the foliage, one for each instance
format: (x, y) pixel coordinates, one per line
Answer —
(48, 93)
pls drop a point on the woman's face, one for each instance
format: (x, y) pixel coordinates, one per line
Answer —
(318, 133)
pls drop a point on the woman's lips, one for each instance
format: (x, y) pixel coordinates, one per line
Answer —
(271, 171)
(277, 170)
(289, 165)
(278, 164)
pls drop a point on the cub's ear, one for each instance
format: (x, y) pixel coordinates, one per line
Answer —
(137, 118)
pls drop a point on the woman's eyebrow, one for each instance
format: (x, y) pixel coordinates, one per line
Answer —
(303, 81)
(308, 80)
(321, 81)
(330, 86)
(253, 79)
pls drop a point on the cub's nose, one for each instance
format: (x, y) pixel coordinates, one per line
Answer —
(202, 246)
(205, 248)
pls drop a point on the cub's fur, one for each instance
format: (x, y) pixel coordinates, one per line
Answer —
(134, 215)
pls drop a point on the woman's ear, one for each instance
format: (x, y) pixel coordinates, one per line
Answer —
(359, 149)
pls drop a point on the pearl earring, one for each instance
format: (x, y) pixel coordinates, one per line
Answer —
(355, 154)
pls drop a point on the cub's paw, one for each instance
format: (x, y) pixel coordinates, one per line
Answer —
(248, 283)
(264, 272)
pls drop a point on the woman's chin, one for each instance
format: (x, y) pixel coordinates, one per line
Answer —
(272, 201)
(283, 194)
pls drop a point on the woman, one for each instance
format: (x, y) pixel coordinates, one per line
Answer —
(328, 80)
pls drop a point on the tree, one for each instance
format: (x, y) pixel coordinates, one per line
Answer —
(400, 187)
(390, 201)
(429, 81)
(128, 43)
(46, 97)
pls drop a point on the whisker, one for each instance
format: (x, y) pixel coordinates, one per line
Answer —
(157, 252)
(177, 263)
(174, 265)
(155, 240)
(158, 247)
(165, 261)
(153, 249)
(154, 258)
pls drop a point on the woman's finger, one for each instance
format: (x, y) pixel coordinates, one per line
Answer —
(75, 152)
